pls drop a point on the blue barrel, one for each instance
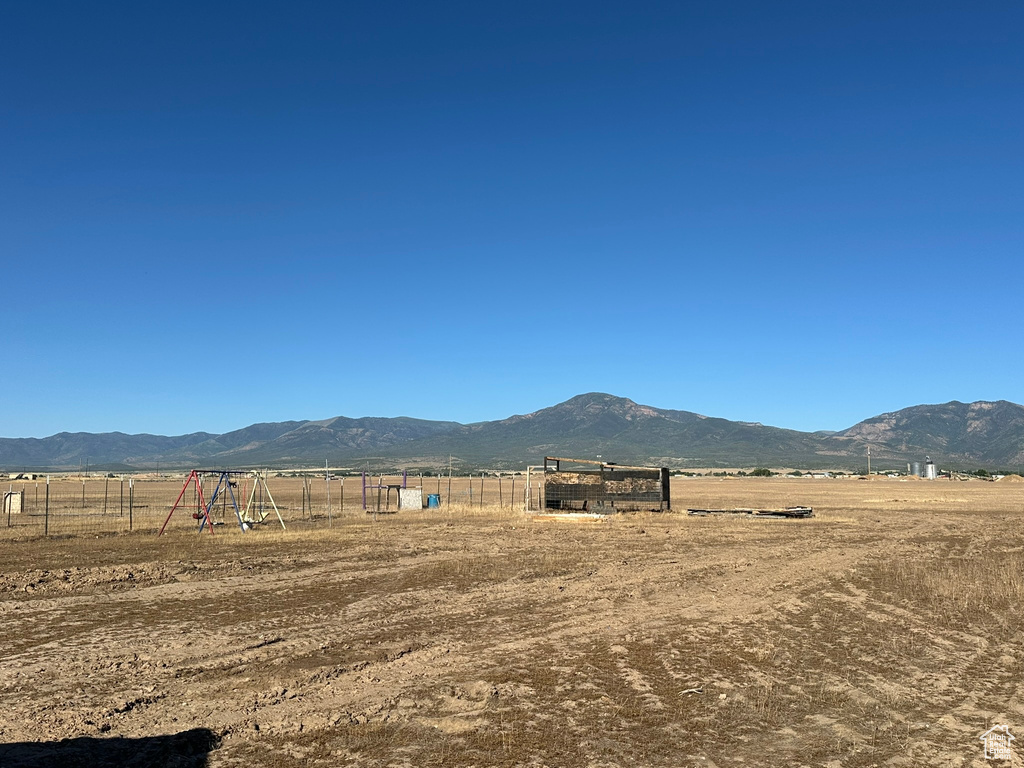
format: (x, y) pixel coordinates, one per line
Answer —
(433, 500)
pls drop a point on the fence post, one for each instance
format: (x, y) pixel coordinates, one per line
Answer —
(330, 517)
(46, 523)
(131, 503)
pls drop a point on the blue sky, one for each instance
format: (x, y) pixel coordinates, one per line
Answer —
(214, 214)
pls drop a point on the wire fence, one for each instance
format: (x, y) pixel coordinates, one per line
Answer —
(74, 506)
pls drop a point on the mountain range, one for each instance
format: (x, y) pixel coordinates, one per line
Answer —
(964, 435)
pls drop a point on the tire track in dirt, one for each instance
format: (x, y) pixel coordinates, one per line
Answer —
(170, 624)
(384, 635)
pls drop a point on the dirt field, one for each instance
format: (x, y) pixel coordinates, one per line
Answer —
(885, 631)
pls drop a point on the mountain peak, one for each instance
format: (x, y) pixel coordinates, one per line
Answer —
(595, 398)
(601, 403)
(982, 432)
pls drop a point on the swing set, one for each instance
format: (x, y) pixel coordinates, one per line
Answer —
(255, 511)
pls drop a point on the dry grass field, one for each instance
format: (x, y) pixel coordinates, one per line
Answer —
(887, 630)
(97, 505)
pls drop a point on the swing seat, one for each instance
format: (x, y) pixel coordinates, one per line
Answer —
(196, 516)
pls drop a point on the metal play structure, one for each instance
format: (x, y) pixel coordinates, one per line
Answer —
(255, 511)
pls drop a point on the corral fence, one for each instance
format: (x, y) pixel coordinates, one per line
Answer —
(585, 485)
(64, 505)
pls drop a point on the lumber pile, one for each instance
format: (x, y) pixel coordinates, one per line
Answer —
(785, 513)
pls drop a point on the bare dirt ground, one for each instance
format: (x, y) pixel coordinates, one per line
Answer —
(885, 631)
